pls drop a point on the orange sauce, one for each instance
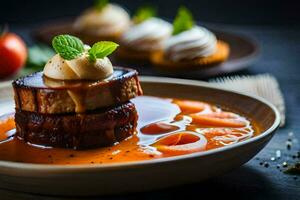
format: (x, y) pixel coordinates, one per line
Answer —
(166, 127)
(158, 128)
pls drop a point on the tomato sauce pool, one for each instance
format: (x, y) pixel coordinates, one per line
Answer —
(166, 127)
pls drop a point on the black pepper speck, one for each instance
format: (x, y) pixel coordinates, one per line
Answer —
(278, 166)
(266, 165)
(288, 145)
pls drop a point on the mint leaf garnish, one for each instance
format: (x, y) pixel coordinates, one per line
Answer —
(101, 49)
(3, 29)
(144, 13)
(183, 21)
(67, 46)
(100, 4)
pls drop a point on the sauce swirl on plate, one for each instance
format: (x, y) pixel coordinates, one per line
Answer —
(166, 127)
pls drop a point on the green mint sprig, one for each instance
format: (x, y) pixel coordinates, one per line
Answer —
(144, 13)
(183, 21)
(101, 49)
(67, 46)
(100, 4)
(3, 29)
(70, 47)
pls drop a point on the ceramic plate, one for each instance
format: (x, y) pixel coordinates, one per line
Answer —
(153, 174)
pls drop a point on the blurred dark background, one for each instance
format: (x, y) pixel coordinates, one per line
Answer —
(247, 12)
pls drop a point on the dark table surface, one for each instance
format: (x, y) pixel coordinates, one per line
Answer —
(280, 56)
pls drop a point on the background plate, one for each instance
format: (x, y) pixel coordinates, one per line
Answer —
(243, 50)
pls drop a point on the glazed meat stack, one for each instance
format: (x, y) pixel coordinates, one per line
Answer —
(76, 114)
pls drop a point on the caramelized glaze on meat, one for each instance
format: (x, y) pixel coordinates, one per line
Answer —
(37, 93)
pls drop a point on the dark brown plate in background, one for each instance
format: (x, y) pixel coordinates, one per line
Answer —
(243, 50)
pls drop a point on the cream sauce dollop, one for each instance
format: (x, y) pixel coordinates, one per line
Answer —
(194, 43)
(148, 35)
(79, 68)
(112, 19)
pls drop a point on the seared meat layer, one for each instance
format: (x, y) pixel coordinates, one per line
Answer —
(37, 93)
(93, 129)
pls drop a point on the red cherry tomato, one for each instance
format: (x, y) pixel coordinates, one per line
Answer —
(13, 54)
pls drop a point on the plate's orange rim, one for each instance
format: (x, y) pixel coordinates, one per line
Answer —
(10, 167)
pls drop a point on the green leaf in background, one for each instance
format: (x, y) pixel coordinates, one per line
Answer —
(3, 29)
(38, 56)
(183, 21)
(100, 4)
(144, 13)
(101, 49)
(67, 46)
